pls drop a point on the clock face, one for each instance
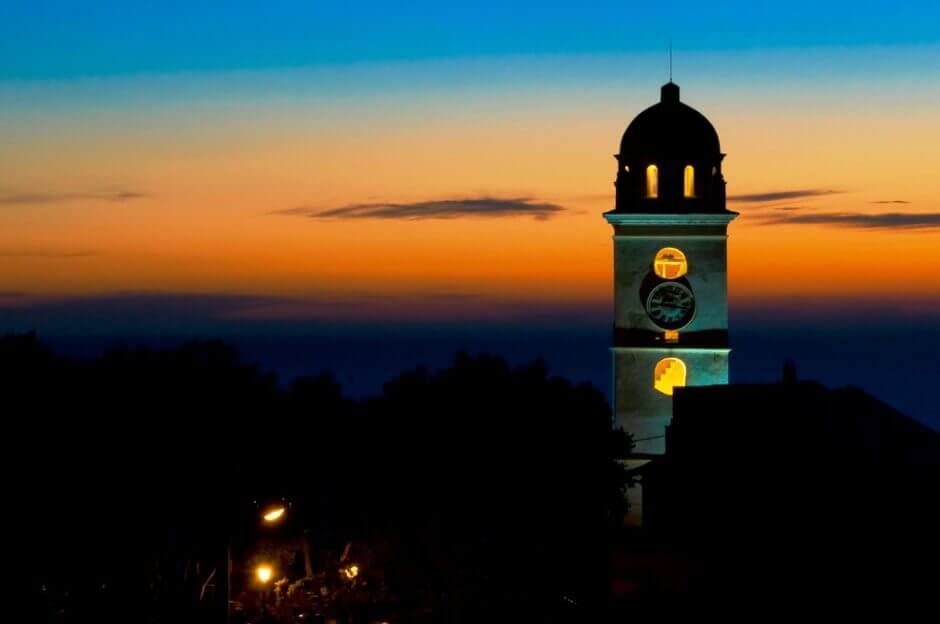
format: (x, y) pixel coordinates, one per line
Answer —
(671, 305)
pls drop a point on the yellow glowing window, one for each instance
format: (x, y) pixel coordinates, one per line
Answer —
(652, 181)
(670, 263)
(669, 373)
(688, 188)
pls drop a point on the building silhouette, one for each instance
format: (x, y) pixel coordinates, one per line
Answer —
(786, 489)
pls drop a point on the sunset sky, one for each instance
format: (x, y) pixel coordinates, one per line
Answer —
(420, 161)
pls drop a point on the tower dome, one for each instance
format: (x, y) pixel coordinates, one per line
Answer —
(670, 160)
(670, 128)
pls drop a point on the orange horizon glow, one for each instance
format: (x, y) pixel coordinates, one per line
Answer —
(206, 188)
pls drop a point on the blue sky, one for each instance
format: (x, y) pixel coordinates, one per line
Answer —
(43, 39)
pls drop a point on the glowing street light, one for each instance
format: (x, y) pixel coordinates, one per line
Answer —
(264, 573)
(274, 514)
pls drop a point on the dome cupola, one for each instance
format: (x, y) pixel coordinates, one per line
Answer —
(670, 160)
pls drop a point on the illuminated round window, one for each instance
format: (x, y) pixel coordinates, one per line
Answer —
(669, 373)
(670, 263)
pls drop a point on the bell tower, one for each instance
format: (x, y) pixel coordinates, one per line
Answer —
(670, 266)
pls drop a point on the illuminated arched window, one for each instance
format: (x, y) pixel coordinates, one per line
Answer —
(670, 263)
(669, 373)
(688, 187)
(652, 181)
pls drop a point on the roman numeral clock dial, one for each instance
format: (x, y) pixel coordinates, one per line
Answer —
(671, 305)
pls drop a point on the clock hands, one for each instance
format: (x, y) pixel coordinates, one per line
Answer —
(671, 305)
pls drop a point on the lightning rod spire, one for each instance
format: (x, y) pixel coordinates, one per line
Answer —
(670, 60)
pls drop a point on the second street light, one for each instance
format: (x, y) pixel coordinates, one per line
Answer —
(274, 513)
(264, 573)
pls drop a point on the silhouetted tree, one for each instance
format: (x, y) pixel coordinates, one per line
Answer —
(476, 490)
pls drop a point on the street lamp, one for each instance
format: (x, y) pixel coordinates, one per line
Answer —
(264, 572)
(273, 514)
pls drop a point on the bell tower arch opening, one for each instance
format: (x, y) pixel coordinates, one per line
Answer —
(652, 181)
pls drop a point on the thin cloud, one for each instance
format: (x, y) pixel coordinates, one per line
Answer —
(299, 211)
(435, 209)
(173, 310)
(772, 196)
(885, 220)
(12, 298)
(594, 197)
(25, 198)
(47, 253)
(891, 201)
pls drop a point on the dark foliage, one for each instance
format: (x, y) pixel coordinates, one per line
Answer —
(473, 493)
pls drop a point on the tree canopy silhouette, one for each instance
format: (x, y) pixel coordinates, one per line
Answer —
(475, 488)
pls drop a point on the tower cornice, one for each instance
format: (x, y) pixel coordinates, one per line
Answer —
(657, 219)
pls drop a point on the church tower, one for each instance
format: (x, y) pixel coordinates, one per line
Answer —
(670, 266)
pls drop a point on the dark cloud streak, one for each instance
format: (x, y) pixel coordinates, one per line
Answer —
(227, 306)
(47, 253)
(772, 196)
(885, 220)
(28, 198)
(435, 209)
